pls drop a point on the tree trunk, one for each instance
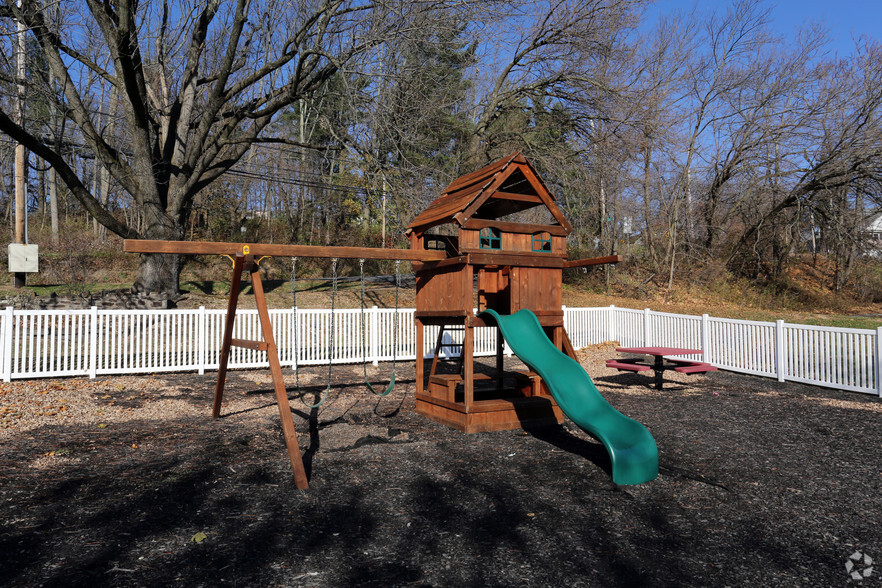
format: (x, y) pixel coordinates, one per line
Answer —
(647, 206)
(158, 272)
(53, 204)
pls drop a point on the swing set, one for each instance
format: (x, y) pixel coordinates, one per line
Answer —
(514, 269)
(247, 258)
(391, 386)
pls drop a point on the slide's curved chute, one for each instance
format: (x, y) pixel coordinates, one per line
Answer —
(631, 448)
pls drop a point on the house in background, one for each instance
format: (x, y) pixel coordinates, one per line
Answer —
(874, 236)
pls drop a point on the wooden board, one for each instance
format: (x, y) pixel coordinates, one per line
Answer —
(494, 415)
(446, 290)
(543, 260)
(536, 288)
(266, 249)
(479, 223)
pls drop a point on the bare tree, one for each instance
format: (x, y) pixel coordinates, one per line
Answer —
(197, 87)
(562, 54)
(836, 158)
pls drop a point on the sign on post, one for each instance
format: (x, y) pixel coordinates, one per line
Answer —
(23, 258)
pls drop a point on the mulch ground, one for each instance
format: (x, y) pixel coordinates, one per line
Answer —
(127, 481)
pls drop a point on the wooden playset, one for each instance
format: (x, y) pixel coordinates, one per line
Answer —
(517, 266)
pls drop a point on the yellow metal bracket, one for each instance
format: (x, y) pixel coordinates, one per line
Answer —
(246, 250)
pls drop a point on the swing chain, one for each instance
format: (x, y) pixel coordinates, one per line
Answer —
(331, 338)
(296, 324)
(333, 326)
(391, 384)
(363, 320)
(396, 319)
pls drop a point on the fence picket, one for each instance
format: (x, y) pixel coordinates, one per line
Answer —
(93, 342)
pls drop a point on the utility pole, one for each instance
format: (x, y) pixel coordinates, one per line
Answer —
(20, 154)
(383, 198)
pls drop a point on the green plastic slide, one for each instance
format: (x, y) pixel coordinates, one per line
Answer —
(631, 447)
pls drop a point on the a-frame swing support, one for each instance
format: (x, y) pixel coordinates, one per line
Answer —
(245, 258)
(242, 263)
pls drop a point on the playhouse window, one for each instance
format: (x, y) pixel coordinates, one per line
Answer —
(490, 239)
(435, 244)
(542, 242)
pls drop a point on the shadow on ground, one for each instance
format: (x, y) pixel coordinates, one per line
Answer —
(759, 486)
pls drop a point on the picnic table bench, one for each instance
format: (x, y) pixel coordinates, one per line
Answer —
(660, 365)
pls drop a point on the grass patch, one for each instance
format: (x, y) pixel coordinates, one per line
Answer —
(62, 289)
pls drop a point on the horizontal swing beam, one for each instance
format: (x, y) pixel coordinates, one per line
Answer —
(277, 250)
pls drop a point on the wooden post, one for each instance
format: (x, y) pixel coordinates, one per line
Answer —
(568, 344)
(500, 365)
(420, 367)
(468, 341)
(272, 353)
(232, 302)
(468, 376)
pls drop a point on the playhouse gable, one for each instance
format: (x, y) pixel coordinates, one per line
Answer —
(499, 189)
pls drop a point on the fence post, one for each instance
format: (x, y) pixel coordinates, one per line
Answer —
(879, 361)
(93, 342)
(202, 343)
(705, 339)
(611, 323)
(647, 335)
(375, 335)
(8, 328)
(780, 360)
(566, 327)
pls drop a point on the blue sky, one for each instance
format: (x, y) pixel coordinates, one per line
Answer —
(843, 18)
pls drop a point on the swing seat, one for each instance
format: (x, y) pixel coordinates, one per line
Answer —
(386, 392)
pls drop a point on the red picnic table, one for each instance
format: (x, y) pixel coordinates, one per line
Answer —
(684, 366)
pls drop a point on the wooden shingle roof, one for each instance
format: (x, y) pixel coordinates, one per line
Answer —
(503, 187)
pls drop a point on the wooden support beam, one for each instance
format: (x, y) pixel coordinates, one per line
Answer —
(246, 263)
(468, 368)
(476, 257)
(522, 228)
(246, 344)
(272, 354)
(434, 265)
(420, 360)
(425, 314)
(238, 266)
(593, 261)
(268, 249)
(518, 197)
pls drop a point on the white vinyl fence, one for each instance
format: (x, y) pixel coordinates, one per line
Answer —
(53, 343)
(846, 359)
(93, 342)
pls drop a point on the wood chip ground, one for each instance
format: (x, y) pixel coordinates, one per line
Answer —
(127, 481)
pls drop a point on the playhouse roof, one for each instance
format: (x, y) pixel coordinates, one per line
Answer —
(503, 187)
